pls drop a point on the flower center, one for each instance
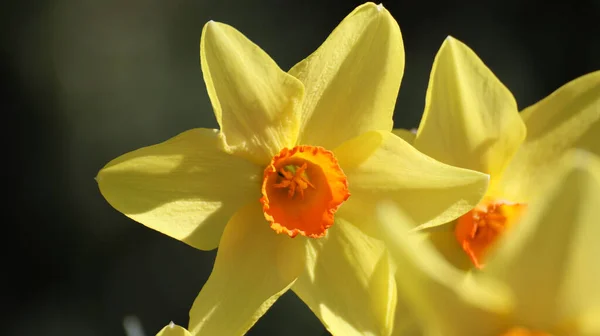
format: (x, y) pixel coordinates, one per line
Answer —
(294, 179)
(480, 228)
(519, 331)
(301, 191)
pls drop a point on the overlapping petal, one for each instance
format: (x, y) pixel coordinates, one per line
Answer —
(255, 102)
(186, 187)
(568, 118)
(173, 330)
(543, 275)
(254, 266)
(353, 79)
(470, 119)
(380, 166)
(444, 239)
(348, 283)
(550, 260)
(446, 301)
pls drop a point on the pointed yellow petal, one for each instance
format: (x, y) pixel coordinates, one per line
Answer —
(380, 165)
(352, 80)
(186, 187)
(471, 119)
(550, 259)
(348, 284)
(173, 330)
(254, 267)
(568, 118)
(406, 135)
(254, 101)
(446, 302)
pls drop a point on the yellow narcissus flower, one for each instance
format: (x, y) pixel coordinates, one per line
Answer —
(541, 280)
(471, 121)
(305, 154)
(173, 330)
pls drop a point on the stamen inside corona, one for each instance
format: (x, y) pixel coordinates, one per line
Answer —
(477, 230)
(294, 178)
(302, 189)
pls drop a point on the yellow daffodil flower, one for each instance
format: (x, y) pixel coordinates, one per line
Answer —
(173, 330)
(305, 154)
(471, 120)
(541, 280)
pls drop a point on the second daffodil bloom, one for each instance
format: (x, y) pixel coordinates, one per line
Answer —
(287, 187)
(471, 120)
(541, 280)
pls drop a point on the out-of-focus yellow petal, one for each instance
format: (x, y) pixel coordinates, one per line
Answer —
(405, 322)
(568, 118)
(380, 165)
(255, 102)
(406, 135)
(550, 260)
(173, 330)
(186, 187)
(254, 266)
(588, 324)
(445, 301)
(471, 119)
(444, 239)
(352, 80)
(348, 283)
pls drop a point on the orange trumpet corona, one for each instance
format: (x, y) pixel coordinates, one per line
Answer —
(301, 191)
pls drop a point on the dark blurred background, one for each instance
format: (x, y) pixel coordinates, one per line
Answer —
(85, 81)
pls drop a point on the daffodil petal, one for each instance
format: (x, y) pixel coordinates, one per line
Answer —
(588, 323)
(173, 330)
(254, 266)
(348, 283)
(471, 119)
(380, 165)
(255, 102)
(445, 301)
(444, 239)
(186, 187)
(353, 79)
(406, 135)
(550, 260)
(568, 118)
